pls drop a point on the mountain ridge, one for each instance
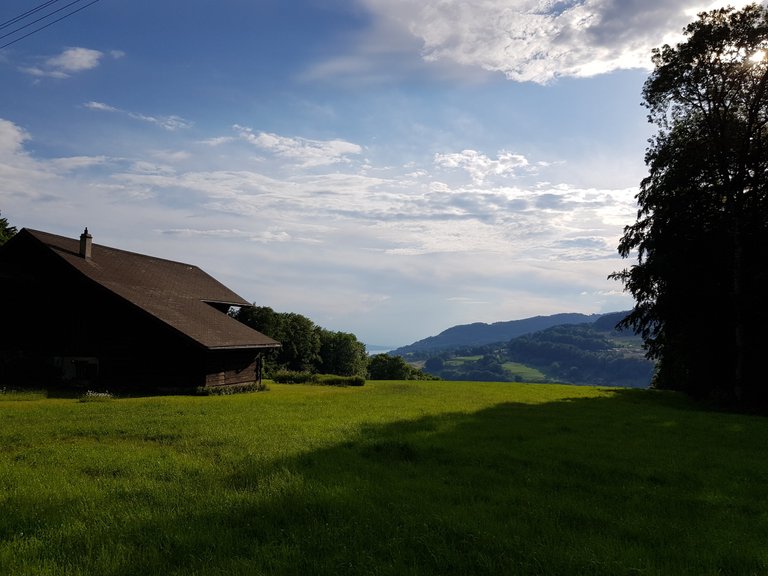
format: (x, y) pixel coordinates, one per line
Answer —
(480, 333)
(594, 353)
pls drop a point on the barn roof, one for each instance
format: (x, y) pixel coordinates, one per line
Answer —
(180, 295)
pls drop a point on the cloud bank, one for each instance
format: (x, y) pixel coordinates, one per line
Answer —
(471, 227)
(539, 40)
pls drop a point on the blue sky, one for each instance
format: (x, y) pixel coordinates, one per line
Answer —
(389, 168)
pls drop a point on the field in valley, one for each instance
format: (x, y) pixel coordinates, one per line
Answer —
(392, 478)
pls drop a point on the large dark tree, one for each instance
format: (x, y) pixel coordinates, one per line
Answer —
(701, 234)
(297, 334)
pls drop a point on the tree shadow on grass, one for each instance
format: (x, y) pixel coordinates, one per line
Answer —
(614, 485)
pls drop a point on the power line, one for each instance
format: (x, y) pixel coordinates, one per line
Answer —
(12, 32)
(43, 18)
(27, 13)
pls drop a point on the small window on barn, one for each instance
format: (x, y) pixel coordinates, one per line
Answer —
(223, 307)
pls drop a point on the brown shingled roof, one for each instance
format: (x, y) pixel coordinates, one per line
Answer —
(178, 294)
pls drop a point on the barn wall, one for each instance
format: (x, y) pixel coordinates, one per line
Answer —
(230, 367)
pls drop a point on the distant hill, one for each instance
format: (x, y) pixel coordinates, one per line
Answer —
(608, 322)
(480, 333)
(595, 354)
(583, 352)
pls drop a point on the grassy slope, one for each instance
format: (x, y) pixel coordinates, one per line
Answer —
(514, 369)
(523, 372)
(393, 478)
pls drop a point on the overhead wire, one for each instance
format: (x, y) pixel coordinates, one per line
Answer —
(30, 12)
(12, 32)
(27, 13)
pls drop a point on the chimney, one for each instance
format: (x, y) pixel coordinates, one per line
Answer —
(86, 242)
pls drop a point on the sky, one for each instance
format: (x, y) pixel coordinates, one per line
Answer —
(389, 168)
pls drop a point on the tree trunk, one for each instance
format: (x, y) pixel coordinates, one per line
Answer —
(737, 296)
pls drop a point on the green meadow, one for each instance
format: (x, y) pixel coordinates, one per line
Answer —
(523, 372)
(395, 478)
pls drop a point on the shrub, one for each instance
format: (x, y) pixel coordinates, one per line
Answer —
(92, 396)
(293, 377)
(386, 367)
(231, 389)
(333, 380)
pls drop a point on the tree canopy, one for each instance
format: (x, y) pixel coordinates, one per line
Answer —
(305, 346)
(386, 367)
(702, 225)
(6, 230)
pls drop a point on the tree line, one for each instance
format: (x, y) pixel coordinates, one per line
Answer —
(309, 348)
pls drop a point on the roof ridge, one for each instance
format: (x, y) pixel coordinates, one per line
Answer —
(176, 293)
(139, 254)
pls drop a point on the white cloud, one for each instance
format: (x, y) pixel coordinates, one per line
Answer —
(100, 106)
(219, 233)
(479, 166)
(20, 173)
(42, 73)
(539, 40)
(170, 123)
(12, 139)
(217, 140)
(171, 155)
(304, 152)
(76, 60)
(166, 122)
(78, 162)
(69, 62)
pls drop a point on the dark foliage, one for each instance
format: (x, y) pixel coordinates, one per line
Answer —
(305, 346)
(386, 367)
(581, 355)
(702, 225)
(334, 380)
(341, 353)
(6, 230)
(291, 377)
(231, 389)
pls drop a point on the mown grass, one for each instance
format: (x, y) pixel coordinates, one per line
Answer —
(523, 372)
(392, 478)
(459, 360)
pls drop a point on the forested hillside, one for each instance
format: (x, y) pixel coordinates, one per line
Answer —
(587, 353)
(479, 333)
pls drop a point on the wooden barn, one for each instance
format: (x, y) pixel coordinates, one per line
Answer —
(84, 314)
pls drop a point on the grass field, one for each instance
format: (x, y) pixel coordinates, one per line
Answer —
(523, 372)
(392, 478)
(514, 370)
